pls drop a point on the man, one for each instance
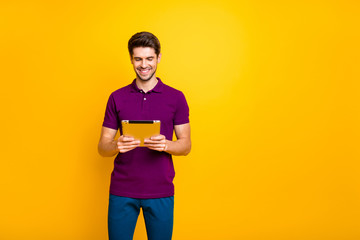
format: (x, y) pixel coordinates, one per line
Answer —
(143, 176)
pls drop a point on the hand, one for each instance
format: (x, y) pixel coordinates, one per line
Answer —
(157, 143)
(126, 143)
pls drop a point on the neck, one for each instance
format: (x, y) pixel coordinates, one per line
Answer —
(146, 85)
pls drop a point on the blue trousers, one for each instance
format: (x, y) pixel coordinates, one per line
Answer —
(123, 214)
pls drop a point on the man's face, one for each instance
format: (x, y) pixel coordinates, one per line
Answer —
(145, 62)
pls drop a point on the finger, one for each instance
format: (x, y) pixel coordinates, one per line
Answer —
(157, 137)
(160, 146)
(137, 142)
(124, 149)
(157, 149)
(127, 139)
(154, 141)
(128, 146)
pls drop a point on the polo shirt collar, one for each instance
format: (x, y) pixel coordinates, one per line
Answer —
(158, 87)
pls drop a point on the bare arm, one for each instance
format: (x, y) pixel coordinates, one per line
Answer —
(181, 146)
(108, 146)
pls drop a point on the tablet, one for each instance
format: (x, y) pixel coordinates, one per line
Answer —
(140, 129)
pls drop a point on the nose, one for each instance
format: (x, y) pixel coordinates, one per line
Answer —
(143, 63)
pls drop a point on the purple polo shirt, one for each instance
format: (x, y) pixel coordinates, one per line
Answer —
(141, 172)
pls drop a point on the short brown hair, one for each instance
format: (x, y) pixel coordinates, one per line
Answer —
(144, 39)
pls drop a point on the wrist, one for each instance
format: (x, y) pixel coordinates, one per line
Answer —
(116, 148)
(166, 145)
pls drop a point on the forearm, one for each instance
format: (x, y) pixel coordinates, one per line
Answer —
(108, 148)
(181, 147)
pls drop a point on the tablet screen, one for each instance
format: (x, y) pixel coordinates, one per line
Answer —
(140, 129)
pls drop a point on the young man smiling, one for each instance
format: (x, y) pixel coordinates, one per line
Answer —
(143, 176)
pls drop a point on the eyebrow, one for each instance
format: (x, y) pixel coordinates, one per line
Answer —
(144, 57)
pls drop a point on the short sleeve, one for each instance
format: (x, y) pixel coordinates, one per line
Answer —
(111, 116)
(182, 110)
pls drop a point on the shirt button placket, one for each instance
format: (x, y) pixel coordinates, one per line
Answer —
(145, 105)
(146, 102)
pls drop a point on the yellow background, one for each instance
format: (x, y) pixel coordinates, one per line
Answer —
(273, 89)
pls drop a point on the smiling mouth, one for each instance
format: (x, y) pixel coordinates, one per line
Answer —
(144, 71)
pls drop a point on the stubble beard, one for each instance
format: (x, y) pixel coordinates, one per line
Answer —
(147, 79)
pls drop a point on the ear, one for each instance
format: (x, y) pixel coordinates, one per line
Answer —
(131, 59)
(159, 57)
